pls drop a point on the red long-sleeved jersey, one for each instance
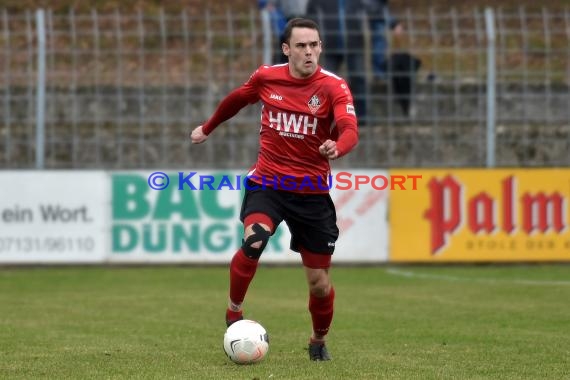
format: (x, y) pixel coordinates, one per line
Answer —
(297, 116)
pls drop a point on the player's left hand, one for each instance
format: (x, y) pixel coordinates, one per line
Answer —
(197, 136)
(329, 150)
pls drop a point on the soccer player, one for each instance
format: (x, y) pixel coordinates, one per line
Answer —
(307, 119)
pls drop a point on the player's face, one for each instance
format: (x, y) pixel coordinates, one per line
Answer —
(303, 50)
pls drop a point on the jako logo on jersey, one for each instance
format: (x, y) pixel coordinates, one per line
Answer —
(276, 97)
(314, 104)
(290, 122)
(350, 109)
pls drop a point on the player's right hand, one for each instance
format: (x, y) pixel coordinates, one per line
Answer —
(197, 136)
(328, 149)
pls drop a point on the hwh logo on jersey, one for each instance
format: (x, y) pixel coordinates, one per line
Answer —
(290, 122)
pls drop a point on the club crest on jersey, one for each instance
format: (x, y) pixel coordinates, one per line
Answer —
(314, 104)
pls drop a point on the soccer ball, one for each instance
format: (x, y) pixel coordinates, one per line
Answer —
(246, 342)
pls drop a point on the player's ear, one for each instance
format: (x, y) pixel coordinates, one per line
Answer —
(285, 48)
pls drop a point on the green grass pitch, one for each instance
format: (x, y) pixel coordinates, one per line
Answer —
(408, 322)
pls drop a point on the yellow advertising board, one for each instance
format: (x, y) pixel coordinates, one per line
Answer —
(481, 215)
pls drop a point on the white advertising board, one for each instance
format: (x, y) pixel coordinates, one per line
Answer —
(362, 217)
(53, 217)
(74, 217)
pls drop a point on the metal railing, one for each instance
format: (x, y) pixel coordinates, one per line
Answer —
(123, 90)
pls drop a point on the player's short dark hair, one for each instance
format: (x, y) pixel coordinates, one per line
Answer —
(299, 22)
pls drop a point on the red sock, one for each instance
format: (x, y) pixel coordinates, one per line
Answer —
(242, 270)
(233, 315)
(321, 309)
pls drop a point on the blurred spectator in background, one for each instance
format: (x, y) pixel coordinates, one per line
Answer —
(342, 24)
(379, 20)
(403, 69)
(280, 12)
(292, 8)
(399, 68)
(278, 22)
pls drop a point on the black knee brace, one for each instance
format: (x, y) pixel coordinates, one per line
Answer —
(259, 235)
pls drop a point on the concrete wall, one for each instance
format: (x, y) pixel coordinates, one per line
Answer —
(433, 103)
